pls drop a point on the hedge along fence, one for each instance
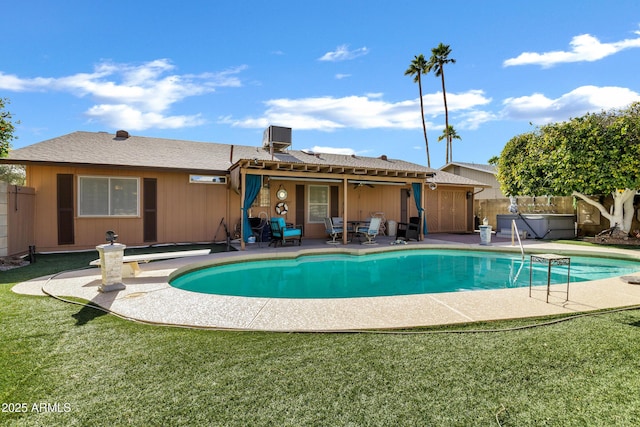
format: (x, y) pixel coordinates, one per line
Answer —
(17, 217)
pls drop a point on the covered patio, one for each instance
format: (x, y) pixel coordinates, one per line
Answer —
(306, 193)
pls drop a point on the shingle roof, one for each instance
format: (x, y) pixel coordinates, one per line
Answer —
(105, 149)
(476, 166)
(446, 178)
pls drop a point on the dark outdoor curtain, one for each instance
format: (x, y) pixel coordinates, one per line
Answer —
(417, 196)
(253, 183)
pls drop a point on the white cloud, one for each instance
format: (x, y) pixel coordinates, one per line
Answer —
(135, 97)
(124, 116)
(472, 120)
(342, 53)
(16, 84)
(370, 111)
(584, 47)
(539, 109)
(340, 76)
(463, 109)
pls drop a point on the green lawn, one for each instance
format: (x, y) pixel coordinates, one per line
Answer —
(102, 370)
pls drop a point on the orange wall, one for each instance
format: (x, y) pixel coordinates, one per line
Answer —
(362, 202)
(186, 212)
(193, 212)
(20, 204)
(447, 210)
(365, 201)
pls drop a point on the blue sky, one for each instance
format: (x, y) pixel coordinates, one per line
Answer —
(333, 71)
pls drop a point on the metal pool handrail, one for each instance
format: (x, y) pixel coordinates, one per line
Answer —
(514, 227)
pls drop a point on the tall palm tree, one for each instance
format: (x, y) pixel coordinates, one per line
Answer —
(439, 57)
(417, 68)
(449, 134)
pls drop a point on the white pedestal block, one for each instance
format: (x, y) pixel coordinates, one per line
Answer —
(111, 266)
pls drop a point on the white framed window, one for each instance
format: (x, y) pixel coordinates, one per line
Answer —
(318, 203)
(108, 196)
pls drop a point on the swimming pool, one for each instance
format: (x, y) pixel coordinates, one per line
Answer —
(403, 272)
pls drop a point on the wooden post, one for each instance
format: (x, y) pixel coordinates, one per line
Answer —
(345, 225)
(423, 200)
(243, 185)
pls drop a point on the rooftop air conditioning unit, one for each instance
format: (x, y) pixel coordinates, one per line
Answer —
(276, 138)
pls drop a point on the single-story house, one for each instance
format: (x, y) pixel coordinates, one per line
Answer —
(155, 190)
(483, 173)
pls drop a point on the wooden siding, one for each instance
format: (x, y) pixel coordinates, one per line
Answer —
(19, 219)
(186, 212)
(193, 212)
(447, 210)
(363, 202)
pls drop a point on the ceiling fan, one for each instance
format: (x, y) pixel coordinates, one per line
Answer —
(360, 184)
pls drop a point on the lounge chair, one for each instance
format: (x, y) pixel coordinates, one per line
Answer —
(370, 232)
(281, 233)
(333, 231)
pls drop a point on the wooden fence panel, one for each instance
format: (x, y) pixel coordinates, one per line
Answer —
(3, 219)
(21, 203)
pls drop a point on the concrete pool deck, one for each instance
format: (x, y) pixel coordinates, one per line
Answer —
(149, 297)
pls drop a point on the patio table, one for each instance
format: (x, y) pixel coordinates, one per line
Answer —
(353, 226)
(550, 259)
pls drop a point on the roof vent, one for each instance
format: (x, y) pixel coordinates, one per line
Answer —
(122, 134)
(276, 139)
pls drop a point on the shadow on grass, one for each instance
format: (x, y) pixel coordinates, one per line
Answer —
(86, 314)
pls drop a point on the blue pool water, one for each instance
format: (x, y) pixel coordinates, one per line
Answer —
(389, 273)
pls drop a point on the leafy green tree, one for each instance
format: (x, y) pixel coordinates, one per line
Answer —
(417, 68)
(440, 57)
(596, 154)
(13, 174)
(6, 128)
(449, 134)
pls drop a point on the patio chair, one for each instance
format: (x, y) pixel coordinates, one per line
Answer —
(259, 227)
(370, 232)
(333, 231)
(281, 232)
(409, 231)
(383, 220)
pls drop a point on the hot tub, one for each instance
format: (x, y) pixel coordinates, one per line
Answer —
(539, 226)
